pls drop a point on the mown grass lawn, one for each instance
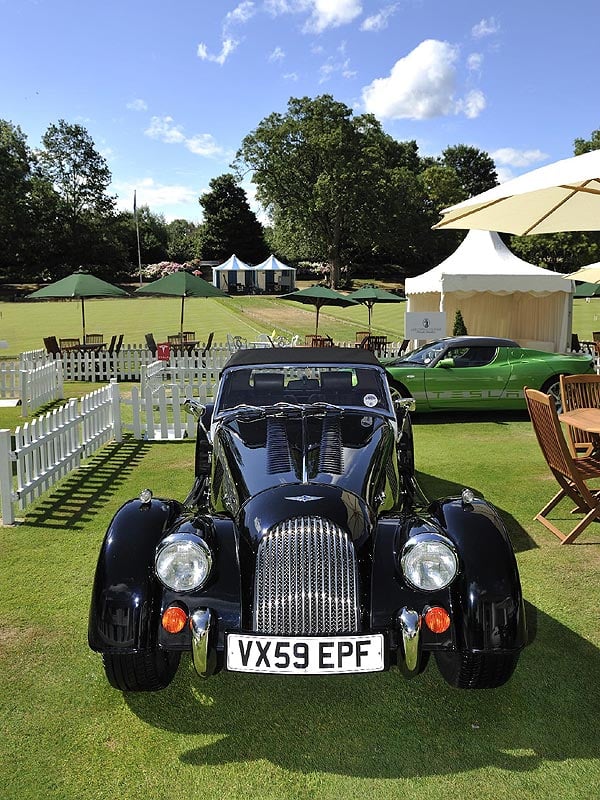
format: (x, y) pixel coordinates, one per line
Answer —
(67, 735)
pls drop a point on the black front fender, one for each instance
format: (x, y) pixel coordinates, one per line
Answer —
(124, 599)
(487, 594)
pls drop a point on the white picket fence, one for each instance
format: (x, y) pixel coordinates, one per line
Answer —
(126, 365)
(31, 383)
(48, 448)
(156, 405)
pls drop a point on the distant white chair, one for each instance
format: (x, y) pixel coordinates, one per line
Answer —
(235, 343)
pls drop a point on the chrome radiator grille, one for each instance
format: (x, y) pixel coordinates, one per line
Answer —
(306, 580)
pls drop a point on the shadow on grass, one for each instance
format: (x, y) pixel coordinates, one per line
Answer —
(460, 417)
(384, 726)
(434, 487)
(86, 490)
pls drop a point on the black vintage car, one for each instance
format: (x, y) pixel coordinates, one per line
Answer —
(305, 545)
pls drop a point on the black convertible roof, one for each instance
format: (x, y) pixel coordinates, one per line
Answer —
(480, 341)
(264, 356)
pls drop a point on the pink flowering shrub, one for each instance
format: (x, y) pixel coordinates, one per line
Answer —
(154, 271)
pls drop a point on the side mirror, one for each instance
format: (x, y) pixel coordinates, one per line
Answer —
(194, 407)
(446, 363)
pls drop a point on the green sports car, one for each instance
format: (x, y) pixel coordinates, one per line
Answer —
(479, 373)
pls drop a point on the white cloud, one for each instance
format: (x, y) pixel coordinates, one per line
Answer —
(241, 14)
(277, 54)
(474, 62)
(164, 130)
(422, 85)
(138, 105)
(377, 22)
(332, 68)
(510, 156)
(171, 200)
(472, 104)
(485, 27)
(290, 76)
(323, 14)
(332, 14)
(227, 48)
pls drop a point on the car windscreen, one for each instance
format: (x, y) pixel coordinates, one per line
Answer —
(423, 355)
(361, 387)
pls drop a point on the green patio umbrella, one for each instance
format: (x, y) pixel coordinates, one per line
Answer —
(318, 296)
(369, 295)
(181, 284)
(78, 285)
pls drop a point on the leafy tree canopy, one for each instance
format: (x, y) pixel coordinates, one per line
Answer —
(230, 226)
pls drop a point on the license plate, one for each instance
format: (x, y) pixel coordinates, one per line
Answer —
(312, 655)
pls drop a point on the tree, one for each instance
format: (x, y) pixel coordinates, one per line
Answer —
(581, 146)
(80, 177)
(324, 175)
(475, 169)
(459, 328)
(15, 187)
(560, 252)
(182, 240)
(230, 226)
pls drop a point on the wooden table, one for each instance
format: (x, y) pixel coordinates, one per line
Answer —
(585, 419)
(84, 348)
(184, 345)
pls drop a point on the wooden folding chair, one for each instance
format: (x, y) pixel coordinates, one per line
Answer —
(69, 343)
(94, 338)
(571, 473)
(151, 343)
(580, 391)
(208, 344)
(51, 345)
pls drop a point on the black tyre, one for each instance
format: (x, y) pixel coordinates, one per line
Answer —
(141, 672)
(476, 670)
(552, 387)
(396, 386)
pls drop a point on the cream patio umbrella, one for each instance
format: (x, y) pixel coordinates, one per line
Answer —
(589, 274)
(563, 196)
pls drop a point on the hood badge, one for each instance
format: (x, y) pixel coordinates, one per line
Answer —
(303, 498)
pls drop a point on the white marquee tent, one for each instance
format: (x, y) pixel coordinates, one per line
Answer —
(497, 293)
(274, 275)
(232, 272)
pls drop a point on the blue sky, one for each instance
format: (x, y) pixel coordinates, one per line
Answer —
(168, 88)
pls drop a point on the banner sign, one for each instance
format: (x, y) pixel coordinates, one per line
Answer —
(424, 324)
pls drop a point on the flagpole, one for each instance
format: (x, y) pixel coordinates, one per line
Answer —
(137, 232)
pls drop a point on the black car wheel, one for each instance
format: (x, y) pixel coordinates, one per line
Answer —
(141, 672)
(552, 387)
(396, 386)
(476, 670)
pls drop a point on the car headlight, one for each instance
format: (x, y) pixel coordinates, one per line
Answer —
(429, 562)
(183, 564)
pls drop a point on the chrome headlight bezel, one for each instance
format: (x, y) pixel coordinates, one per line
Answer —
(183, 562)
(418, 562)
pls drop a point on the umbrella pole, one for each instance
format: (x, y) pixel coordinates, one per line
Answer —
(370, 307)
(181, 320)
(83, 318)
(317, 323)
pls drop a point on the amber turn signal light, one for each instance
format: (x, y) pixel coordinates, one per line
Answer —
(437, 619)
(174, 619)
